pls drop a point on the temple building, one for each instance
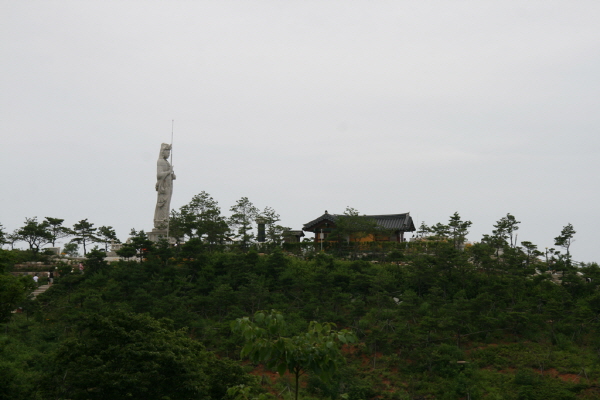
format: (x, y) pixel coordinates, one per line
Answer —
(382, 228)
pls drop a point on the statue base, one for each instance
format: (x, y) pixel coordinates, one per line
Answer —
(157, 234)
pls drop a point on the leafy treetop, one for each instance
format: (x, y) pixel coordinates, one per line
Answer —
(316, 351)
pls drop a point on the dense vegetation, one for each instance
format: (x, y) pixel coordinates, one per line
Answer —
(432, 318)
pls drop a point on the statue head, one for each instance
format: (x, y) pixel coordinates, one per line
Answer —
(165, 149)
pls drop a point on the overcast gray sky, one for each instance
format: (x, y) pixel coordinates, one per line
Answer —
(432, 107)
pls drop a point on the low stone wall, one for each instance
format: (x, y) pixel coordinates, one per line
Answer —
(40, 268)
(29, 268)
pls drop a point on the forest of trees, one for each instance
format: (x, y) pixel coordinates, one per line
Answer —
(200, 218)
(434, 318)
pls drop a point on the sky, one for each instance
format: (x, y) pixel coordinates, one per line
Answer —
(427, 107)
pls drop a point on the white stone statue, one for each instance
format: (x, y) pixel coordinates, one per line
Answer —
(164, 187)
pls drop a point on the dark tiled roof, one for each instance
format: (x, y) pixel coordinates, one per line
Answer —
(402, 222)
(293, 233)
(324, 217)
